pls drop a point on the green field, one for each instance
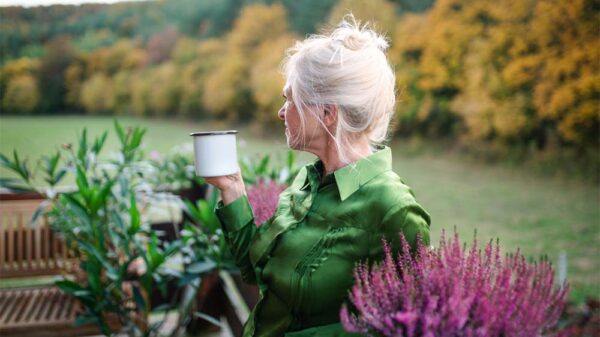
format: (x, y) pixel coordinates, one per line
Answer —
(538, 214)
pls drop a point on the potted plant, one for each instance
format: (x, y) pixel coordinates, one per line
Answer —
(174, 172)
(121, 260)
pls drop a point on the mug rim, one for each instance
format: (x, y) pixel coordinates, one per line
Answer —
(213, 133)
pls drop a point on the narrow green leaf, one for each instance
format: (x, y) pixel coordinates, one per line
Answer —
(83, 147)
(106, 189)
(134, 214)
(40, 210)
(208, 216)
(187, 279)
(5, 162)
(201, 267)
(21, 167)
(214, 198)
(191, 209)
(14, 185)
(95, 200)
(208, 318)
(59, 176)
(290, 159)
(81, 180)
(51, 163)
(77, 208)
(99, 142)
(84, 320)
(171, 271)
(264, 163)
(68, 286)
(136, 138)
(113, 274)
(155, 256)
(94, 280)
(120, 132)
(116, 217)
(82, 293)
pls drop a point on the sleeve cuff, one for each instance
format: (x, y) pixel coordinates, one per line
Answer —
(235, 215)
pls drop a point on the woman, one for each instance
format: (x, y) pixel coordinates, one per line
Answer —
(339, 99)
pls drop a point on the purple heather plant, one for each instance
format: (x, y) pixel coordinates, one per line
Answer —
(448, 291)
(263, 198)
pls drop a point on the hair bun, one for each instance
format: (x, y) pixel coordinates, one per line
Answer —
(355, 37)
(364, 39)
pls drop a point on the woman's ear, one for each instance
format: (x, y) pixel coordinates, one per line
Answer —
(330, 114)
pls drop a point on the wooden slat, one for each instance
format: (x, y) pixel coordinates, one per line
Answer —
(37, 312)
(11, 242)
(15, 306)
(29, 248)
(46, 299)
(36, 309)
(2, 242)
(19, 240)
(7, 308)
(21, 313)
(38, 246)
(47, 258)
(56, 307)
(68, 310)
(55, 254)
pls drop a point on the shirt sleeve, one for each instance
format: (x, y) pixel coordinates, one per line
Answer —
(237, 221)
(411, 221)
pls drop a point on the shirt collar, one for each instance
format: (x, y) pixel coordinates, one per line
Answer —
(352, 176)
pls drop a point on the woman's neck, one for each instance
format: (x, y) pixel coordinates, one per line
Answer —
(331, 159)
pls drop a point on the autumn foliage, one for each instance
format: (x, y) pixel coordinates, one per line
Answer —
(509, 72)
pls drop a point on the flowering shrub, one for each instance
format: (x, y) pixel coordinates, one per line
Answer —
(263, 198)
(449, 292)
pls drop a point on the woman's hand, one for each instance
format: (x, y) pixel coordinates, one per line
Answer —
(231, 186)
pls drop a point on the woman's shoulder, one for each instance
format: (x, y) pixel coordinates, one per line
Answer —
(388, 190)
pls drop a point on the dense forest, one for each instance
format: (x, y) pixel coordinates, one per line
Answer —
(514, 73)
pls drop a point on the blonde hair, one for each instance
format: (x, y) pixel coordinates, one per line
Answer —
(348, 69)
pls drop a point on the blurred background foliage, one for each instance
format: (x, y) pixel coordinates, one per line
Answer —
(513, 77)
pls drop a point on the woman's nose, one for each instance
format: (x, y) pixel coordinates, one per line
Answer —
(281, 113)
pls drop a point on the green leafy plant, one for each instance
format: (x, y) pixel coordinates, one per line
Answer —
(26, 175)
(174, 171)
(204, 238)
(264, 168)
(121, 261)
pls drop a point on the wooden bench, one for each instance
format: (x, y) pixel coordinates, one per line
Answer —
(32, 251)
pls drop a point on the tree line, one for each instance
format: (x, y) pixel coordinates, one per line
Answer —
(514, 72)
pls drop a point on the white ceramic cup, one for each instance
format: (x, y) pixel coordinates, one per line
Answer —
(215, 153)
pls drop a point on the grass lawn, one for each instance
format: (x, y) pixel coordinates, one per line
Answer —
(539, 215)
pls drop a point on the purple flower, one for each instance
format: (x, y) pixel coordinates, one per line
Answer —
(448, 291)
(263, 198)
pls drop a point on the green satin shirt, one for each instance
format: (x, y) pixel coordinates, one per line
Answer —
(302, 259)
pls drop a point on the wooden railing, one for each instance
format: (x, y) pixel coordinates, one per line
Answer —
(28, 249)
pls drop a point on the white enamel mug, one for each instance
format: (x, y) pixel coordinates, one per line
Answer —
(215, 153)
